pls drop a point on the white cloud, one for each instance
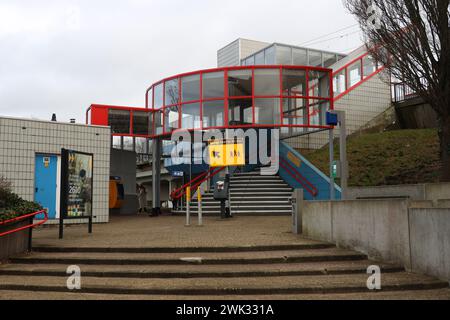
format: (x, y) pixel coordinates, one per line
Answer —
(62, 55)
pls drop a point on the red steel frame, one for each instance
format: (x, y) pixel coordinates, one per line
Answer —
(363, 79)
(101, 117)
(101, 111)
(23, 218)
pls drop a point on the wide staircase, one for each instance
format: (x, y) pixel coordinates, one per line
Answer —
(309, 270)
(250, 194)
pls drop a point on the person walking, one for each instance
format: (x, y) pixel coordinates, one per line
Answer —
(174, 199)
(142, 195)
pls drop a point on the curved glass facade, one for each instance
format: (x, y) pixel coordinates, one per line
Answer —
(238, 97)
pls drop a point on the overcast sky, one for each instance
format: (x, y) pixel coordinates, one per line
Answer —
(63, 55)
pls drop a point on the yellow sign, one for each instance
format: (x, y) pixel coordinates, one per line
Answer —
(226, 155)
(294, 159)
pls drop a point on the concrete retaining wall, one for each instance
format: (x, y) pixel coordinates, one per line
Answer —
(417, 192)
(387, 230)
(430, 241)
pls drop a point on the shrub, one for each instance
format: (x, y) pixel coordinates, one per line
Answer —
(11, 205)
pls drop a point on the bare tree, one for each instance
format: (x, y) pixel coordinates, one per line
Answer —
(411, 38)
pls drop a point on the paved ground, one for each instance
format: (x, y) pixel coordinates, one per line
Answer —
(245, 258)
(168, 231)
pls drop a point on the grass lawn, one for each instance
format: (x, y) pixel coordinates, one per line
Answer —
(388, 158)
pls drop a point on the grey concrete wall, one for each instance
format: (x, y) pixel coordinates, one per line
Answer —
(378, 228)
(386, 230)
(430, 241)
(437, 191)
(416, 192)
(413, 192)
(317, 220)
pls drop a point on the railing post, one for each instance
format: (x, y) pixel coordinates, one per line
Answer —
(199, 201)
(188, 206)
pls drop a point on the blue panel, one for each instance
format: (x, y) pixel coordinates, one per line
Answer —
(317, 178)
(46, 184)
(332, 119)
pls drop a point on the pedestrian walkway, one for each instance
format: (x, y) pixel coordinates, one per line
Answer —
(242, 258)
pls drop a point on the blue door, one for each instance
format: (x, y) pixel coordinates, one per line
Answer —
(45, 183)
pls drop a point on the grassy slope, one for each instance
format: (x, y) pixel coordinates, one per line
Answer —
(388, 158)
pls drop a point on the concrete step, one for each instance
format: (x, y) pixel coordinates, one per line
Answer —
(265, 189)
(224, 286)
(216, 258)
(433, 294)
(203, 271)
(305, 245)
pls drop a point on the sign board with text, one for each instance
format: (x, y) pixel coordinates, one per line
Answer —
(226, 153)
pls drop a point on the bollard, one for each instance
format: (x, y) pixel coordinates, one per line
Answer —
(188, 206)
(199, 201)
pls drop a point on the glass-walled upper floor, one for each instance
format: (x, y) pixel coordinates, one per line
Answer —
(237, 97)
(280, 54)
(293, 98)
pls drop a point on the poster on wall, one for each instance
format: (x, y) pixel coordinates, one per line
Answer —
(77, 184)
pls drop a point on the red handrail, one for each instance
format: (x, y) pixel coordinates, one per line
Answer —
(23, 218)
(299, 177)
(194, 183)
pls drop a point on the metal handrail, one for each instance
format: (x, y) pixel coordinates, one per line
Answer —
(194, 183)
(299, 177)
(5, 222)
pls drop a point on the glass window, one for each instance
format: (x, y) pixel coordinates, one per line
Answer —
(315, 58)
(172, 92)
(119, 121)
(128, 143)
(339, 83)
(150, 123)
(354, 73)
(319, 84)
(141, 145)
(369, 66)
(117, 142)
(267, 82)
(259, 58)
(240, 112)
(329, 59)
(150, 99)
(294, 82)
(213, 85)
(284, 55)
(250, 61)
(213, 114)
(158, 122)
(190, 117)
(190, 88)
(295, 112)
(269, 56)
(300, 57)
(240, 83)
(267, 111)
(317, 112)
(141, 122)
(158, 96)
(171, 117)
